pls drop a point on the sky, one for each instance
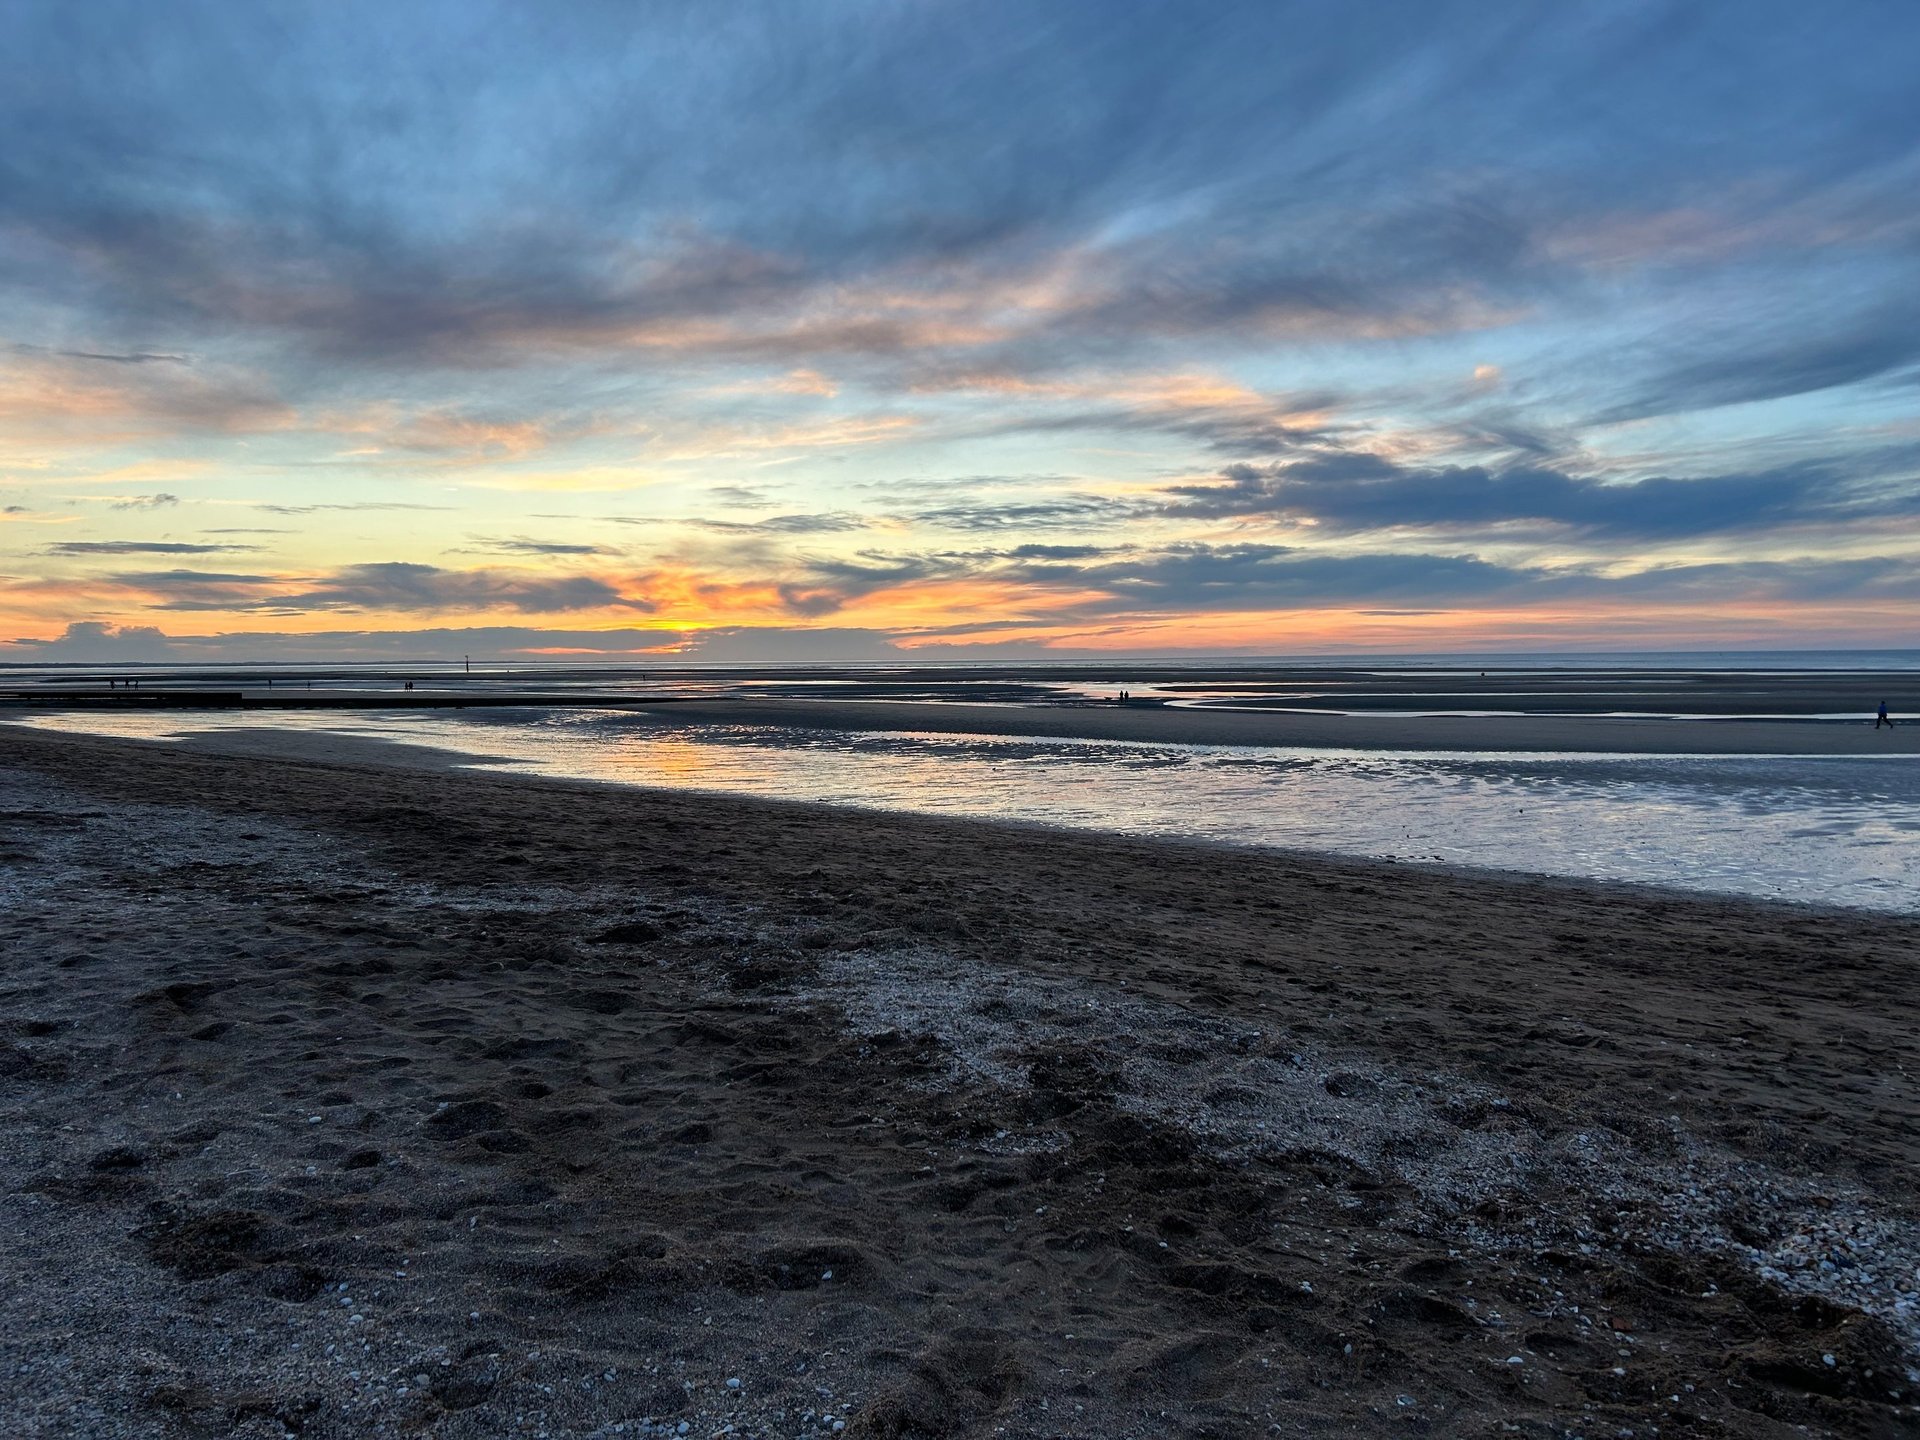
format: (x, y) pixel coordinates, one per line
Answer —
(949, 331)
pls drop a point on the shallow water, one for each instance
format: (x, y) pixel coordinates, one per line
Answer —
(1826, 830)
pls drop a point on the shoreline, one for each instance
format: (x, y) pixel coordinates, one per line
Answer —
(1499, 733)
(374, 753)
(596, 1099)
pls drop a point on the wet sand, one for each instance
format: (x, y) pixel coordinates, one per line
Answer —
(1595, 734)
(342, 1098)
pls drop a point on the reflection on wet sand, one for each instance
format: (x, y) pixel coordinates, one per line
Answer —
(1823, 829)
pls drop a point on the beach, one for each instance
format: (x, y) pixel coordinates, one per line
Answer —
(1586, 733)
(349, 1093)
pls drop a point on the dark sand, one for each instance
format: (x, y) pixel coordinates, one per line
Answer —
(345, 1100)
(1178, 725)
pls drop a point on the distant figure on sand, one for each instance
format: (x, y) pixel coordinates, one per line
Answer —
(1881, 718)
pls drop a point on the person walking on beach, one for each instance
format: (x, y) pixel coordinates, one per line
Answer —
(1881, 718)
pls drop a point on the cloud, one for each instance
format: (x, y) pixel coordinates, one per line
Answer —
(805, 600)
(1361, 490)
(1217, 412)
(942, 178)
(1039, 552)
(382, 587)
(155, 578)
(1202, 577)
(1384, 265)
(62, 398)
(399, 586)
(1081, 510)
(96, 640)
(140, 547)
(136, 358)
(356, 505)
(1198, 578)
(197, 589)
(653, 648)
(1746, 368)
(838, 522)
(157, 501)
(543, 547)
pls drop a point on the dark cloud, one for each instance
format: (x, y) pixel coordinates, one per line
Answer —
(1068, 510)
(1173, 578)
(136, 358)
(810, 600)
(543, 547)
(1200, 578)
(1154, 583)
(96, 640)
(652, 649)
(140, 547)
(198, 589)
(919, 487)
(159, 500)
(1359, 491)
(1890, 578)
(838, 522)
(1047, 552)
(1212, 577)
(408, 587)
(1773, 366)
(156, 579)
(831, 582)
(390, 586)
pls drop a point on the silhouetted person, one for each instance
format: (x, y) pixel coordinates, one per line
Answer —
(1881, 718)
